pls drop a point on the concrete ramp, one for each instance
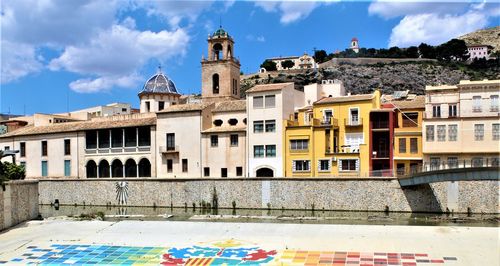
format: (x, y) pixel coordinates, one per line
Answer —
(459, 174)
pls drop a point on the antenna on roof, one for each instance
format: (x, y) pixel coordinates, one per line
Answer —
(220, 22)
(159, 68)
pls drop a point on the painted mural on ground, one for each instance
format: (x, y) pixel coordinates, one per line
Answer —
(229, 252)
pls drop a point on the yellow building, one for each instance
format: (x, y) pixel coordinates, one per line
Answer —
(331, 137)
(409, 111)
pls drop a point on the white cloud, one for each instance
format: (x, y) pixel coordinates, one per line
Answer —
(290, 11)
(118, 53)
(176, 11)
(89, 85)
(435, 28)
(87, 38)
(55, 23)
(252, 38)
(392, 9)
(431, 22)
(27, 25)
(18, 60)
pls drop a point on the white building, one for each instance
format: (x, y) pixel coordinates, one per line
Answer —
(268, 106)
(179, 139)
(224, 143)
(478, 51)
(355, 45)
(327, 88)
(102, 110)
(304, 61)
(113, 146)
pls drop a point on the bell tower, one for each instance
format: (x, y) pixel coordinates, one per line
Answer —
(220, 71)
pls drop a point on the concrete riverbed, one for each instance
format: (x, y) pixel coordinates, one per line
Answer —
(61, 241)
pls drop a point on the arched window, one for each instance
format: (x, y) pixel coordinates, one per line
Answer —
(130, 168)
(244, 121)
(215, 83)
(217, 49)
(218, 122)
(233, 121)
(91, 169)
(229, 51)
(103, 168)
(144, 168)
(117, 168)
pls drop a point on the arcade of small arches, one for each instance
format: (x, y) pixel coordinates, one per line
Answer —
(118, 169)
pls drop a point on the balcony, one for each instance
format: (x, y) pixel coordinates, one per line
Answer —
(476, 109)
(380, 154)
(325, 122)
(353, 122)
(380, 124)
(169, 149)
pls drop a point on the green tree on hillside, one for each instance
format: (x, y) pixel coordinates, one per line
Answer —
(269, 65)
(320, 56)
(452, 50)
(287, 64)
(395, 52)
(427, 51)
(411, 52)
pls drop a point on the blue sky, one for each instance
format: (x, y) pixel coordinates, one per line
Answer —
(60, 55)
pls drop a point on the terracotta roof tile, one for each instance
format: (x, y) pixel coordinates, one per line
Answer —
(225, 129)
(185, 107)
(418, 102)
(230, 106)
(341, 99)
(81, 126)
(269, 87)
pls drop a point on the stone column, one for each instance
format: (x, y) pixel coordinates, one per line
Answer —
(97, 139)
(137, 137)
(123, 137)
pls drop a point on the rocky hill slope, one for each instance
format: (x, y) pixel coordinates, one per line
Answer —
(363, 75)
(387, 77)
(490, 36)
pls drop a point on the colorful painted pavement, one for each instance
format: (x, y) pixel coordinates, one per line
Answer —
(230, 252)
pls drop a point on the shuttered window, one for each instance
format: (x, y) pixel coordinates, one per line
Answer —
(348, 165)
(301, 165)
(324, 165)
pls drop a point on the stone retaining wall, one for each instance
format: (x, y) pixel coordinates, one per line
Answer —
(329, 194)
(18, 202)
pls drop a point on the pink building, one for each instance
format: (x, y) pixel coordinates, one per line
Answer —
(478, 51)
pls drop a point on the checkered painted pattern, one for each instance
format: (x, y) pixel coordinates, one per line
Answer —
(310, 258)
(218, 254)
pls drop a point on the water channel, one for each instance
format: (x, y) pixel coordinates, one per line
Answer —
(272, 216)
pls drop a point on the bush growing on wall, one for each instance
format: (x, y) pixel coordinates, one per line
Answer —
(13, 171)
(10, 171)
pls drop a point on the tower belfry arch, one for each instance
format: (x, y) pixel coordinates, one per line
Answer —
(220, 70)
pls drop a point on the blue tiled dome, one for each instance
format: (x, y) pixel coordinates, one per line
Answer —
(159, 83)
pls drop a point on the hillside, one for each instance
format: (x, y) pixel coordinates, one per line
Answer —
(388, 77)
(490, 36)
(362, 75)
